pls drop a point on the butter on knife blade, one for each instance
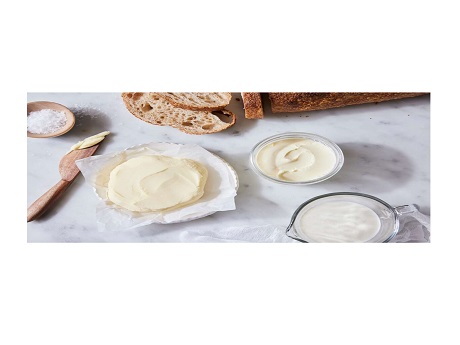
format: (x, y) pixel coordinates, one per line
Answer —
(90, 141)
(68, 171)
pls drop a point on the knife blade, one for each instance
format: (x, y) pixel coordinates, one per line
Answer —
(68, 171)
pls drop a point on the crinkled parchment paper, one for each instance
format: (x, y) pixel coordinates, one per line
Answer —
(219, 192)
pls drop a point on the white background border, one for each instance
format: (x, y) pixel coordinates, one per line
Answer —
(230, 293)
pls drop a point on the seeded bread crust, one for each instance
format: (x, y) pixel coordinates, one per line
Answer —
(155, 110)
(196, 100)
(252, 102)
(282, 102)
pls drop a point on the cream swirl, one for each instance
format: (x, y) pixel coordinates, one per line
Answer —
(296, 160)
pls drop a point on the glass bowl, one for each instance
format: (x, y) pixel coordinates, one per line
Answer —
(297, 135)
(388, 215)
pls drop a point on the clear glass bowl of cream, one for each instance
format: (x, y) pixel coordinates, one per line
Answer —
(346, 217)
(296, 158)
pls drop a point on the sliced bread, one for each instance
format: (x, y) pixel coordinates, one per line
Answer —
(156, 110)
(196, 100)
(252, 102)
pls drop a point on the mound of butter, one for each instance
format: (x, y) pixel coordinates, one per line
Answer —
(154, 183)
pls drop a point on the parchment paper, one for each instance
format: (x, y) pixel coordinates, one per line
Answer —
(219, 193)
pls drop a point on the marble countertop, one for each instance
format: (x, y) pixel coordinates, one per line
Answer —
(386, 148)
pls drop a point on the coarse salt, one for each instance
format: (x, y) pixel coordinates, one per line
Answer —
(45, 121)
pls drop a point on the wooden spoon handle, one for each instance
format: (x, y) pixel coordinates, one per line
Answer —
(43, 203)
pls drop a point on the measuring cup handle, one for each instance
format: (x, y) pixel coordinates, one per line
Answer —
(405, 209)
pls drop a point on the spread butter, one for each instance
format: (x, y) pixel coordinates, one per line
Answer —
(153, 183)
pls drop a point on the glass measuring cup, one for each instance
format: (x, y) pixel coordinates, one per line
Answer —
(388, 215)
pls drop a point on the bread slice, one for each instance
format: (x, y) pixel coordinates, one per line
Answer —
(307, 101)
(252, 102)
(196, 100)
(157, 111)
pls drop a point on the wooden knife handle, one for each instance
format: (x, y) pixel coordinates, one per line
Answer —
(43, 203)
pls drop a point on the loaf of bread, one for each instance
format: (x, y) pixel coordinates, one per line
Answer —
(156, 110)
(196, 100)
(252, 102)
(282, 102)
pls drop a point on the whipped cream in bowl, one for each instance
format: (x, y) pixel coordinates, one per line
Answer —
(296, 158)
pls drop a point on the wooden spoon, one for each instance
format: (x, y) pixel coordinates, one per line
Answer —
(69, 171)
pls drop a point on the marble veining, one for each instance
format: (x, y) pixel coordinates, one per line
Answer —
(386, 148)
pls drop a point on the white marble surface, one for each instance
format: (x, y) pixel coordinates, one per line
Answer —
(386, 148)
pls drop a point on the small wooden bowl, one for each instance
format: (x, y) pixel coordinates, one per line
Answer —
(37, 106)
